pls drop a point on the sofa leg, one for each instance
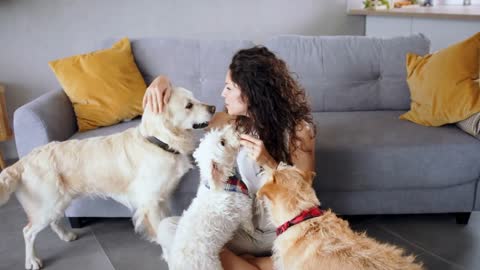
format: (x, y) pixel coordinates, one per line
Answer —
(462, 218)
(76, 222)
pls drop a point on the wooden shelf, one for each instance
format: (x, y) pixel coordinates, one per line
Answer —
(471, 12)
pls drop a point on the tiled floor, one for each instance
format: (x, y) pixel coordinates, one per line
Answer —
(111, 243)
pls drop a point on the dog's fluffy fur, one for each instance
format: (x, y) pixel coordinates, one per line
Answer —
(123, 166)
(325, 242)
(215, 214)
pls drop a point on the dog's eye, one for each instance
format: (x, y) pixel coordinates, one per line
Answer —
(222, 142)
(189, 105)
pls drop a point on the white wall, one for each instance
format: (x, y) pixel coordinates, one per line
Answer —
(33, 32)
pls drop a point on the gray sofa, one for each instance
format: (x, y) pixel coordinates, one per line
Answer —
(367, 160)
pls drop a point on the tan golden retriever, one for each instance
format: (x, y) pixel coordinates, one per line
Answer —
(139, 168)
(324, 241)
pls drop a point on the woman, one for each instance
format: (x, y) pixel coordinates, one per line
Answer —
(269, 107)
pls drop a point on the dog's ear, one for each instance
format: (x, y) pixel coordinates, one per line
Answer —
(217, 176)
(267, 170)
(167, 109)
(266, 174)
(265, 191)
(268, 189)
(309, 176)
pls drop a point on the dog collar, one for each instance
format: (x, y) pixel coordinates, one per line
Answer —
(233, 184)
(154, 140)
(305, 215)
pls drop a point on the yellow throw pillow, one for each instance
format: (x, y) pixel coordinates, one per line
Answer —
(478, 78)
(443, 85)
(105, 87)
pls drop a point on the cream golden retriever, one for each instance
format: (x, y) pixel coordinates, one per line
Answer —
(139, 168)
(309, 238)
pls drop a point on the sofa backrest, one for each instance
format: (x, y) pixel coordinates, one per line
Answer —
(351, 73)
(198, 65)
(339, 73)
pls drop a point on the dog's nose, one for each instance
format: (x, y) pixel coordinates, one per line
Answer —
(211, 109)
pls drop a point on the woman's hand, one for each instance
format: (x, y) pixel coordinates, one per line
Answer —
(257, 151)
(157, 94)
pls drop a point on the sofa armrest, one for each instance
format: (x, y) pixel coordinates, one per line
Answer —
(48, 118)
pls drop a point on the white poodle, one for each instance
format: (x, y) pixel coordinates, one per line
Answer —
(221, 207)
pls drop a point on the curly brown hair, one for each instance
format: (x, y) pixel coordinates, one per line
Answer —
(276, 103)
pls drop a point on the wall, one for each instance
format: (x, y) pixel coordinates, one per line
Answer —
(33, 32)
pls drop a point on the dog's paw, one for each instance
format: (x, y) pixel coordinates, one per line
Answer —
(70, 236)
(33, 263)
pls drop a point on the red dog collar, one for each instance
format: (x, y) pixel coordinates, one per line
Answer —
(234, 184)
(305, 215)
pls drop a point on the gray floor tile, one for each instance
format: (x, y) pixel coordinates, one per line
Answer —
(11, 204)
(383, 236)
(440, 235)
(432, 262)
(84, 253)
(126, 249)
(11, 225)
(110, 244)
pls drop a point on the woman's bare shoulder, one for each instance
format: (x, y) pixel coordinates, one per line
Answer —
(306, 134)
(219, 120)
(306, 130)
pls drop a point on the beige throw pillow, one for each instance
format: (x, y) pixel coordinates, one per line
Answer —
(471, 125)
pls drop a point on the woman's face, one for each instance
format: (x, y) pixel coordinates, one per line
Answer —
(233, 98)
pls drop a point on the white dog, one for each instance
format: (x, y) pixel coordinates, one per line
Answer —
(139, 167)
(221, 207)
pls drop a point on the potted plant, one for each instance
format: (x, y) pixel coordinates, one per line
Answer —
(376, 4)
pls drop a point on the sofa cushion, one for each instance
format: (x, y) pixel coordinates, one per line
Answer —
(351, 73)
(96, 207)
(374, 150)
(104, 131)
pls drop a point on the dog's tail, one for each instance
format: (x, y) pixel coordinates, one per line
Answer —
(386, 256)
(9, 180)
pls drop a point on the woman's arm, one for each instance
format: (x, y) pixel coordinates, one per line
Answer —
(303, 155)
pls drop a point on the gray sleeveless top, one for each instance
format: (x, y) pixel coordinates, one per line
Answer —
(249, 172)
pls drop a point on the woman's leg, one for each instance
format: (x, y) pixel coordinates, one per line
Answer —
(230, 261)
(263, 263)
